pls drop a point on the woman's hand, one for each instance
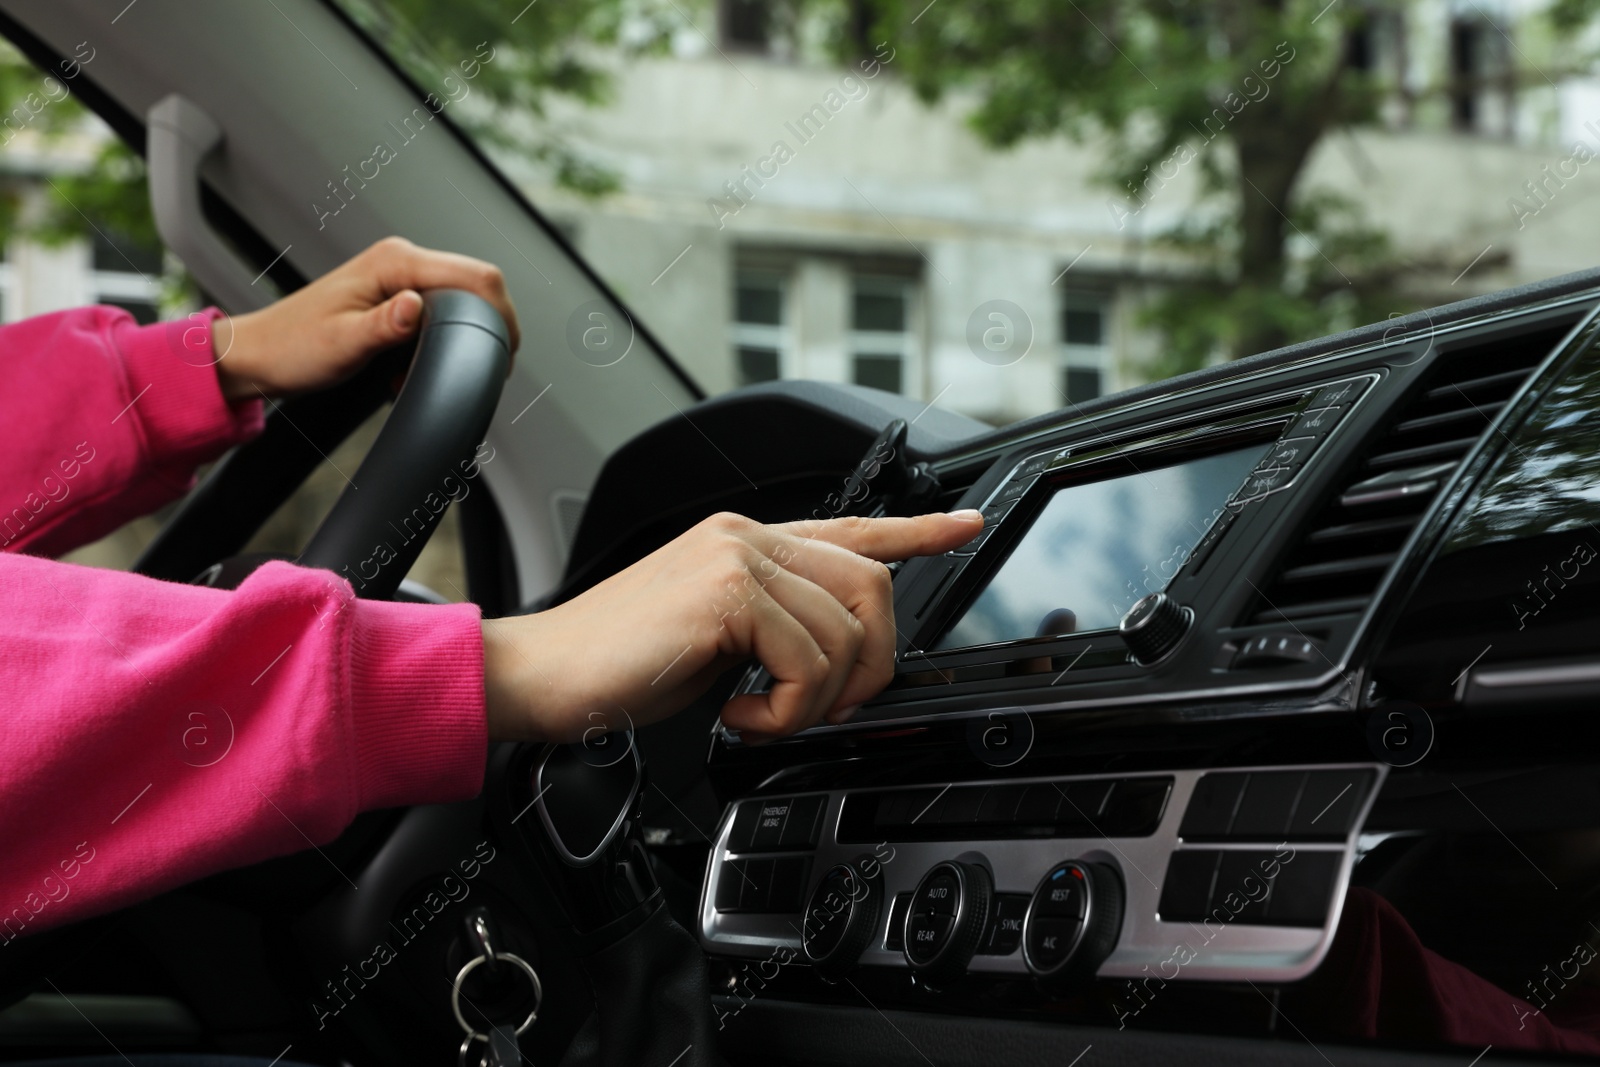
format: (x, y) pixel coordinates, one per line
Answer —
(325, 332)
(811, 600)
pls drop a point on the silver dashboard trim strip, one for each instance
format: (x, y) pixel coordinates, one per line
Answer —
(1254, 953)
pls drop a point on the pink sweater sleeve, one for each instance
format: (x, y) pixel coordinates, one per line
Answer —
(105, 420)
(157, 732)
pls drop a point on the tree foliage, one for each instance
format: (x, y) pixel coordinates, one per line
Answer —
(1243, 92)
(545, 52)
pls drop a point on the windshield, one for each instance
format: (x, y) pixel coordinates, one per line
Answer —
(1005, 208)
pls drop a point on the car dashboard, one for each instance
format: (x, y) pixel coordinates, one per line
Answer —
(1152, 726)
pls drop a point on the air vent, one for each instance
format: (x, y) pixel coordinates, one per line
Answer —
(1336, 566)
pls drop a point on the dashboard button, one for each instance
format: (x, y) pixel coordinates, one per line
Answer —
(926, 936)
(1004, 935)
(1210, 813)
(1013, 490)
(1186, 890)
(1035, 465)
(895, 939)
(800, 828)
(1329, 804)
(1267, 805)
(973, 545)
(920, 806)
(769, 824)
(1000, 804)
(961, 804)
(1340, 393)
(1038, 805)
(789, 877)
(730, 885)
(1259, 483)
(935, 577)
(1275, 649)
(1051, 941)
(1064, 895)
(1288, 452)
(1316, 422)
(1244, 886)
(1079, 809)
(744, 826)
(755, 885)
(1135, 807)
(1209, 542)
(938, 895)
(1304, 888)
(996, 512)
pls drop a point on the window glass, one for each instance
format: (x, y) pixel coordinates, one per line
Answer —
(758, 329)
(76, 229)
(996, 159)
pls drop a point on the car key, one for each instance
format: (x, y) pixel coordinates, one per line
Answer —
(503, 1050)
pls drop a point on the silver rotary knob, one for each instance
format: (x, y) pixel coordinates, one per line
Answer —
(1154, 626)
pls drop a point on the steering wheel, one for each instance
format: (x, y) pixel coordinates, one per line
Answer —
(378, 526)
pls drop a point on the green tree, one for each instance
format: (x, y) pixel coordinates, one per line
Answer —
(1243, 91)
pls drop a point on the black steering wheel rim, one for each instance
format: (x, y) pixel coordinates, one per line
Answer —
(378, 526)
(425, 450)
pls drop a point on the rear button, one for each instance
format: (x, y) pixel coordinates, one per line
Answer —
(926, 935)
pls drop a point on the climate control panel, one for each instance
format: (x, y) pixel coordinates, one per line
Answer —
(1057, 878)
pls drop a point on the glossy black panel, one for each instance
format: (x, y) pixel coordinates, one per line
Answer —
(1548, 479)
(1517, 579)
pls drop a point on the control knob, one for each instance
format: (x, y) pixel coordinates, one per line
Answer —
(1073, 920)
(1154, 626)
(946, 919)
(841, 916)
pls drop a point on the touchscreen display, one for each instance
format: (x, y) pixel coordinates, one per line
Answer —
(1096, 548)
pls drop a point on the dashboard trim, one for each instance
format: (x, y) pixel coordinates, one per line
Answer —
(1254, 952)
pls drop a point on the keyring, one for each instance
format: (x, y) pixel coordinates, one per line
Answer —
(455, 996)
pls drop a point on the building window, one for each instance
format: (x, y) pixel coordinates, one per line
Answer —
(880, 340)
(1480, 76)
(746, 24)
(1085, 351)
(758, 331)
(127, 274)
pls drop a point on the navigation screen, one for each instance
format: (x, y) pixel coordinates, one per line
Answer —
(1098, 547)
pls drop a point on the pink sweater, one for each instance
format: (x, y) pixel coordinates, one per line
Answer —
(157, 732)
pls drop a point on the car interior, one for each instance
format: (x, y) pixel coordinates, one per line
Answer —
(1246, 665)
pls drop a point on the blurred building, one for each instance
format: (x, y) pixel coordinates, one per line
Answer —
(872, 245)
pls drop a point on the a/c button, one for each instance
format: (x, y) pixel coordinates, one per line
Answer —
(1050, 941)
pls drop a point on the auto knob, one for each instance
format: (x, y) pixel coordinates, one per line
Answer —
(1154, 626)
(842, 915)
(945, 921)
(1072, 921)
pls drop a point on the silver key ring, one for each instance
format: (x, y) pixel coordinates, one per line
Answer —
(477, 961)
